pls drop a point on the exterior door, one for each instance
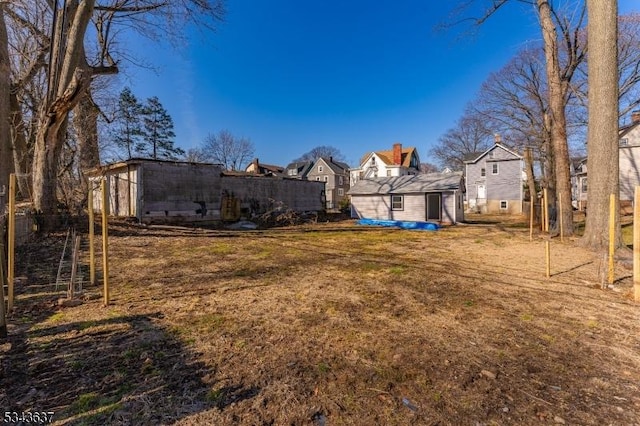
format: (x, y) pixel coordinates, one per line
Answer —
(482, 193)
(434, 206)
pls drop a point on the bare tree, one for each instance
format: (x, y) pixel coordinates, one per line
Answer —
(321, 151)
(628, 71)
(230, 151)
(513, 101)
(557, 27)
(428, 168)
(196, 155)
(69, 71)
(469, 136)
(602, 147)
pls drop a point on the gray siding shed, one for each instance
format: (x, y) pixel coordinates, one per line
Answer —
(374, 198)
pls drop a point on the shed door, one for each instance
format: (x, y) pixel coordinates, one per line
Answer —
(434, 206)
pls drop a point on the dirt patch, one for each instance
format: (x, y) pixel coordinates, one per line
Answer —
(327, 324)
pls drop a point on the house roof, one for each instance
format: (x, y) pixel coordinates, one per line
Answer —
(335, 166)
(494, 146)
(626, 129)
(409, 184)
(387, 156)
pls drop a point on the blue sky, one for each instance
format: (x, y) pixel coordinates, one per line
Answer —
(357, 75)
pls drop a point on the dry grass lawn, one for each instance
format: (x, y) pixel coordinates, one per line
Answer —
(328, 324)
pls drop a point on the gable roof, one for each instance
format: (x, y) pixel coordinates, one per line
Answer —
(336, 166)
(302, 167)
(387, 156)
(626, 129)
(491, 148)
(409, 184)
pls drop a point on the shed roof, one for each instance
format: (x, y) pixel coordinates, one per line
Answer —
(431, 182)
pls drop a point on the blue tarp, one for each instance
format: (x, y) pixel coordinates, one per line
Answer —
(429, 226)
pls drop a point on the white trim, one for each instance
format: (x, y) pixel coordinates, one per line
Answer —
(506, 205)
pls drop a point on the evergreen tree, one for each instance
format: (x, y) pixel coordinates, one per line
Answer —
(158, 132)
(128, 124)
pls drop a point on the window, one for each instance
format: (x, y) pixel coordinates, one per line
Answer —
(340, 192)
(340, 180)
(584, 184)
(504, 204)
(494, 168)
(483, 172)
(293, 172)
(326, 178)
(318, 178)
(388, 172)
(624, 141)
(320, 169)
(397, 202)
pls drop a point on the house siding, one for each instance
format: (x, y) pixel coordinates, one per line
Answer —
(332, 184)
(629, 171)
(379, 207)
(506, 185)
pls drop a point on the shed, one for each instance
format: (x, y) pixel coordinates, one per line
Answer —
(175, 191)
(435, 197)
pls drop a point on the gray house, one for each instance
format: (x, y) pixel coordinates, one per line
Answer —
(335, 175)
(175, 191)
(494, 180)
(435, 197)
(298, 169)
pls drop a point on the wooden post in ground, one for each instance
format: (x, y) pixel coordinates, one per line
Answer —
(531, 213)
(636, 244)
(547, 243)
(74, 266)
(3, 277)
(11, 241)
(560, 217)
(92, 252)
(105, 241)
(612, 236)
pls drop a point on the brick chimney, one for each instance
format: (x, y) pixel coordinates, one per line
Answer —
(635, 116)
(397, 154)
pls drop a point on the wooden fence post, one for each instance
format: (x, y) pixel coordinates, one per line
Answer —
(560, 217)
(612, 236)
(11, 229)
(92, 252)
(547, 243)
(105, 241)
(636, 244)
(3, 314)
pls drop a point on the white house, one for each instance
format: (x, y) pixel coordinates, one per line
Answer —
(396, 162)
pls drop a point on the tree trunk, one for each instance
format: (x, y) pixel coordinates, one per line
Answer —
(531, 180)
(557, 91)
(70, 83)
(602, 146)
(85, 122)
(5, 135)
(21, 153)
